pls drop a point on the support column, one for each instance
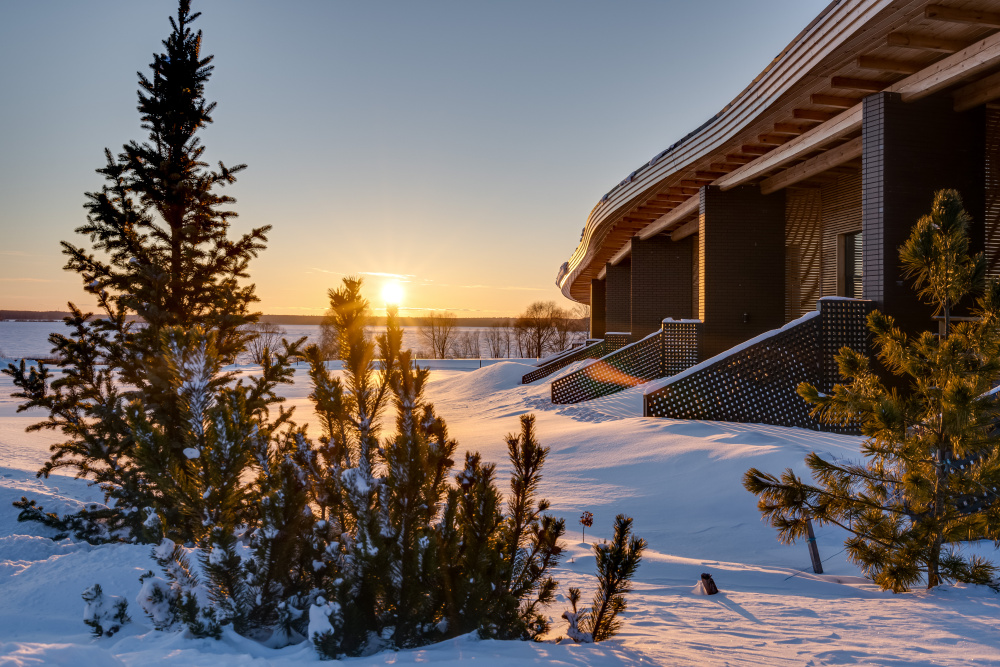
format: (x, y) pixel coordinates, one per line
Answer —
(618, 296)
(597, 309)
(661, 282)
(741, 237)
(911, 150)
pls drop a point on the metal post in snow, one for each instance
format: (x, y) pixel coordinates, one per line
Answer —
(813, 549)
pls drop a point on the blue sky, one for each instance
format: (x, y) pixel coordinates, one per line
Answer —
(459, 145)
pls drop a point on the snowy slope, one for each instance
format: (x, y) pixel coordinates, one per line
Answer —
(679, 480)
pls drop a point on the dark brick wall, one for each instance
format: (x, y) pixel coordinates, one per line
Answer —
(742, 247)
(910, 151)
(618, 296)
(597, 309)
(661, 282)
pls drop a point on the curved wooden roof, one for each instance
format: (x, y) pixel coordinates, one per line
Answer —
(800, 116)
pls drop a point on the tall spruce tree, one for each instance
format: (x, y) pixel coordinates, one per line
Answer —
(160, 249)
(931, 473)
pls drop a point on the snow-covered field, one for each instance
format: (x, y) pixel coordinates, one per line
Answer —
(679, 480)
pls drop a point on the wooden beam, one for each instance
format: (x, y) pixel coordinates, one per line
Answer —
(833, 101)
(812, 114)
(815, 139)
(755, 150)
(710, 175)
(685, 230)
(724, 167)
(974, 59)
(683, 191)
(954, 15)
(773, 139)
(980, 92)
(926, 42)
(695, 183)
(848, 83)
(812, 167)
(689, 207)
(738, 159)
(887, 65)
(789, 128)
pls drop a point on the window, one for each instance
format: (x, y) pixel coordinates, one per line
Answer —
(852, 265)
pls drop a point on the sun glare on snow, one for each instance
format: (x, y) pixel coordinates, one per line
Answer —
(392, 293)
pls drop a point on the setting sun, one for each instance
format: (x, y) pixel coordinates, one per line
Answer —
(392, 293)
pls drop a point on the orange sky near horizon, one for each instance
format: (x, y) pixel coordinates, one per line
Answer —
(454, 147)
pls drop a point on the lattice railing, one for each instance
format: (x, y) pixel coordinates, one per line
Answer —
(633, 364)
(594, 350)
(755, 382)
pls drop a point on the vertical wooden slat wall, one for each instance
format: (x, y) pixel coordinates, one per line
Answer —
(803, 245)
(992, 217)
(841, 214)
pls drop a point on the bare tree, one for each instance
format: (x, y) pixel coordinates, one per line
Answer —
(262, 336)
(571, 328)
(538, 327)
(498, 338)
(437, 330)
(329, 336)
(466, 345)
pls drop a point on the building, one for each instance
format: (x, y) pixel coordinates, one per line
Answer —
(807, 183)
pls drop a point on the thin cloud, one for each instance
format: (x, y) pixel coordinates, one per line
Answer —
(27, 280)
(403, 277)
(496, 287)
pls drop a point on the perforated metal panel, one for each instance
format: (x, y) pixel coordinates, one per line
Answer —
(593, 351)
(631, 365)
(680, 345)
(757, 384)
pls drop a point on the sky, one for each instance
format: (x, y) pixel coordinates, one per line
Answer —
(452, 147)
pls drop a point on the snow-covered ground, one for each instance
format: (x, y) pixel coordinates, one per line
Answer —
(680, 480)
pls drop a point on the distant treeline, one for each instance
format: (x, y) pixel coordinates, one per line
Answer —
(273, 319)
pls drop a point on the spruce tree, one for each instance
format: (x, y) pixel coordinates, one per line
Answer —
(932, 463)
(160, 250)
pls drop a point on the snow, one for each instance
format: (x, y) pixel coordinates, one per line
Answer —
(679, 480)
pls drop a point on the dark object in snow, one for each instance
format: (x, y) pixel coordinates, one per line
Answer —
(813, 549)
(708, 584)
(586, 520)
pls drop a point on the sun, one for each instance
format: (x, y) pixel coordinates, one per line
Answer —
(392, 293)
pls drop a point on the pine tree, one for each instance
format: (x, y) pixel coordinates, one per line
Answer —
(932, 463)
(617, 563)
(159, 249)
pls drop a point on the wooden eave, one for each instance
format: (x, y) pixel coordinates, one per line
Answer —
(743, 144)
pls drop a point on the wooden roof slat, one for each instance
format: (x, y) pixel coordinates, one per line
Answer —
(848, 83)
(887, 65)
(833, 101)
(956, 15)
(813, 114)
(789, 128)
(773, 139)
(928, 42)
(755, 150)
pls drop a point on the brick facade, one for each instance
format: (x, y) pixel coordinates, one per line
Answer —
(618, 296)
(661, 282)
(741, 241)
(597, 309)
(910, 151)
